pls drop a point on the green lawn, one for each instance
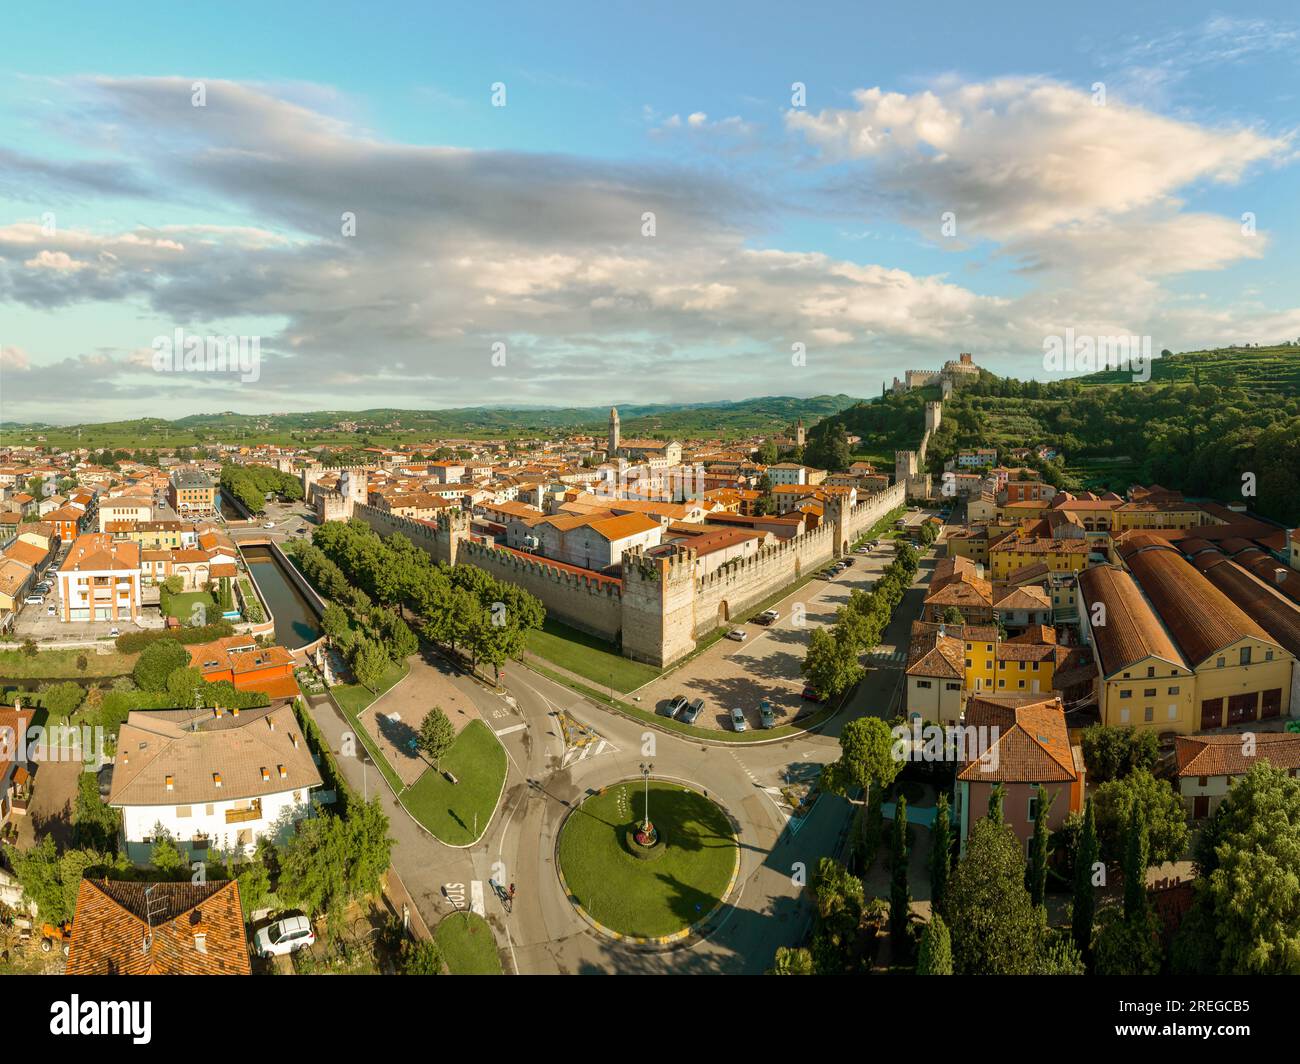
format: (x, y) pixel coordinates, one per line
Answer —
(588, 656)
(453, 810)
(182, 606)
(352, 698)
(467, 945)
(648, 898)
(62, 664)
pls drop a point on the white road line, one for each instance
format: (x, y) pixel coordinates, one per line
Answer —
(510, 730)
(476, 897)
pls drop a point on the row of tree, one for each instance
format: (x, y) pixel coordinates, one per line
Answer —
(250, 484)
(831, 664)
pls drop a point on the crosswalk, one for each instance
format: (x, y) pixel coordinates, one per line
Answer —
(596, 746)
(884, 658)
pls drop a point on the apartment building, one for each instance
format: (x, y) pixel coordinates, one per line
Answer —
(100, 580)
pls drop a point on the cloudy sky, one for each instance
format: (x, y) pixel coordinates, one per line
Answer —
(434, 205)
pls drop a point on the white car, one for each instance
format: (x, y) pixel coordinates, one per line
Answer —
(269, 524)
(738, 634)
(284, 936)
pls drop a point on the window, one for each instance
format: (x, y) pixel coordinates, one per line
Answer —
(1126, 694)
(1150, 692)
(1202, 781)
(1022, 684)
(924, 685)
(1173, 690)
(1219, 664)
(952, 687)
(1148, 714)
(1123, 715)
(1002, 683)
(1268, 655)
(1173, 712)
(1033, 808)
(1245, 655)
(1151, 671)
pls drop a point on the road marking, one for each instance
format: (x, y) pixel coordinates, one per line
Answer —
(476, 897)
(513, 728)
(574, 754)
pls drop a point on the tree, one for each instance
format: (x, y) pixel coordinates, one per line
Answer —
(419, 958)
(838, 898)
(1112, 753)
(95, 824)
(1135, 864)
(1127, 946)
(165, 855)
(866, 758)
(173, 585)
(952, 615)
(940, 854)
(369, 663)
(1038, 847)
(334, 620)
(333, 860)
(1247, 891)
(50, 879)
(62, 699)
(1059, 956)
(831, 663)
(436, 735)
(158, 661)
(935, 954)
(1165, 816)
(995, 803)
(791, 961)
(900, 898)
(996, 929)
(1085, 892)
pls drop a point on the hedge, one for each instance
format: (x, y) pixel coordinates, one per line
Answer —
(134, 642)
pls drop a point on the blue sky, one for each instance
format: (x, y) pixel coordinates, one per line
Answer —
(126, 212)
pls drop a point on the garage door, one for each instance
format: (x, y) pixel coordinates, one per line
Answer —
(1212, 713)
(1272, 703)
(1243, 707)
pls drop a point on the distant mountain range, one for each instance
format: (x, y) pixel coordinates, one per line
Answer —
(764, 415)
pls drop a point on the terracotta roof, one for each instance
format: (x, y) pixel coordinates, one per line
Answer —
(27, 553)
(616, 528)
(13, 724)
(99, 552)
(1032, 744)
(13, 574)
(1032, 597)
(932, 654)
(195, 929)
(1278, 615)
(1201, 618)
(151, 749)
(1224, 755)
(1132, 630)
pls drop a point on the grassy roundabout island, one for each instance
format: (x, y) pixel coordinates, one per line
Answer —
(655, 892)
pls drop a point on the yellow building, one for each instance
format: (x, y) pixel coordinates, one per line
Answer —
(1059, 555)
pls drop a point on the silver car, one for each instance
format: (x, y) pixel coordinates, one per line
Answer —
(287, 935)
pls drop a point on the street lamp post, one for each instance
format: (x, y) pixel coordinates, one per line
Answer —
(646, 768)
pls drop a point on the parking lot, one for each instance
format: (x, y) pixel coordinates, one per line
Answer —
(766, 665)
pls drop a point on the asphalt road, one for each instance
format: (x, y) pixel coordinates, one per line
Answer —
(543, 934)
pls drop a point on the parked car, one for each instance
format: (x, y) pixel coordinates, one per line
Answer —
(34, 600)
(114, 632)
(768, 617)
(863, 550)
(268, 524)
(766, 714)
(51, 610)
(738, 720)
(673, 707)
(846, 562)
(691, 713)
(738, 634)
(287, 935)
(809, 695)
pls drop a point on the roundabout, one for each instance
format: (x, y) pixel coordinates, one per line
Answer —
(647, 878)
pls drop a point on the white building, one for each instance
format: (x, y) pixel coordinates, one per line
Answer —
(211, 779)
(99, 580)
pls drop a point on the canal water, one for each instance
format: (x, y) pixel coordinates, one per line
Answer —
(296, 621)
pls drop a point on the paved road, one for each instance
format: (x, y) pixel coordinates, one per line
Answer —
(543, 934)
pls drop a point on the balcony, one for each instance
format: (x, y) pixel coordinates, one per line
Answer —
(243, 816)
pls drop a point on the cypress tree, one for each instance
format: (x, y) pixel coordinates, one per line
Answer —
(940, 855)
(995, 803)
(1038, 849)
(935, 954)
(1136, 850)
(1085, 896)
(900, 898)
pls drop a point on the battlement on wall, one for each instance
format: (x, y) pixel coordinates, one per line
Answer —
(637, 565)
(502, 558)
(738, 568)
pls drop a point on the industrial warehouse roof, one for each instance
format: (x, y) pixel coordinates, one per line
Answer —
(1131, 631)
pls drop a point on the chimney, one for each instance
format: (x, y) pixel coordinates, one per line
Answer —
(283, 773)
(171, 783)
(294, 739)
(201, 941)
(270, 724)
(265, 775)
(1280, 575)
(216, 779)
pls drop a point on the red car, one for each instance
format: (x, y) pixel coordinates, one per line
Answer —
(808, 694)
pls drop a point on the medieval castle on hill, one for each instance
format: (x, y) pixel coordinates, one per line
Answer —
(953, 374)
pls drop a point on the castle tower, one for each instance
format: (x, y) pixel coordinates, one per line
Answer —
(613, 432)
(799, 435)
(658, 606)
